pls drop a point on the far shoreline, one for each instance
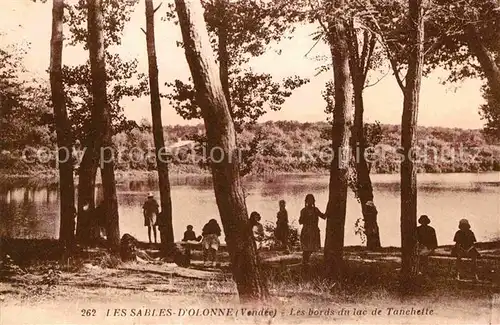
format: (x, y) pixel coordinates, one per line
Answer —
(51, 177)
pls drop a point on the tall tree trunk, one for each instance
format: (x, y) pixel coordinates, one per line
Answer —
(64, 138)
(222, 49)
(342, 120)
(103, 121)
(408, 128)
(221, 138)
(364, 187)
(359, 64)
(486, 60)
(87, 230)
(165, 220)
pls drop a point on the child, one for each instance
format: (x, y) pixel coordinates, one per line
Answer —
(464, 247)
(257, 229)
(427, 242)
(210, 243)
(282, 230)
(309, 236)
(189, 234)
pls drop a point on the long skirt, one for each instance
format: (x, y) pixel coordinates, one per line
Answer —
(210, 241)
(309, 239)
(281, 233)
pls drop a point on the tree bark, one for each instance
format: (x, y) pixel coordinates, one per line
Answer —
(87, 230)
(408, 129)
(486, 60)
(103, 121)
(360, 65)
(222, 49)
(64, 138)
(165, 219)
(221, 140)
(342, 120)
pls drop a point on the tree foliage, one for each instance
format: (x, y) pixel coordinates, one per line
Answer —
(24, 103)
(251, 29)
(123, 78)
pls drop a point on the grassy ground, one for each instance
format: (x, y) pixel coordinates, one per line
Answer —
(59, 292)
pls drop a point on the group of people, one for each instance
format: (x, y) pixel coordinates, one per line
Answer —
(209, 240)
(310, 234)
(464, 245)
(211, 231)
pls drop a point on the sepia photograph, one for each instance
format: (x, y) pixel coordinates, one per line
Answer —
(249, 162)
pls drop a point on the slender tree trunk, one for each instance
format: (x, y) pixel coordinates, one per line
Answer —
(408, 128)
(359, 64)
(165, 220)
(64, 138)
(486, 60)
(103, 120)
(364, 187)
(221, 138)
(342, 120)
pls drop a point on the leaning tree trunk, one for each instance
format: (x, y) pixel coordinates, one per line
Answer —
(360, 64)
(408, 128)
(364, 188)
(488, 64)
(342, 119)
(64, 139)
(222, 49)
(221, 140)
(165, 220)
(103, 120)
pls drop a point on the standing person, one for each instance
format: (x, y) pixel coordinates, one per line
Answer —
(150, 210)
(464, 247)
(309, 236)
(257, 229)
(282, 229)
(426, 242)
(210, 243)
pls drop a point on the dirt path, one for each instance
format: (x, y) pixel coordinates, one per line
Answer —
(46, 292)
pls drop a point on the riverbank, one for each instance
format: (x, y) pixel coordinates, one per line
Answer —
(94, 282)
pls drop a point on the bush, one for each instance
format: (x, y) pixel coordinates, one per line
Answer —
(271, 241)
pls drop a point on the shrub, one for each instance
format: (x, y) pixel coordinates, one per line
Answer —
(271, 241)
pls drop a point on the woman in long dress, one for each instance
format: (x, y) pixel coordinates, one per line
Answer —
(309, 236)
(282, 230)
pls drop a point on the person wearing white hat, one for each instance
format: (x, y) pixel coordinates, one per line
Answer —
(150, 210)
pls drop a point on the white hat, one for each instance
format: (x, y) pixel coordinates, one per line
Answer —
(370, 203)
(150, 194)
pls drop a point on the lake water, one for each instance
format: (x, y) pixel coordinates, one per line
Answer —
(33, 212)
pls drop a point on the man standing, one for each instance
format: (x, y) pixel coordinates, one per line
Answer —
(150, 212)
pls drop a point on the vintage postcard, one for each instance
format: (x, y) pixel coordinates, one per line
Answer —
(249, 162)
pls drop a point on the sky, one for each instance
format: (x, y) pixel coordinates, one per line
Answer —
(454, 105)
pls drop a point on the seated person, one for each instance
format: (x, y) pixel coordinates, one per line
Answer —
(426, 241)
(189, 234)
(465, 247)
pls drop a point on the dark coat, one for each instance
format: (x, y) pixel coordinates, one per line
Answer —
(426, 236)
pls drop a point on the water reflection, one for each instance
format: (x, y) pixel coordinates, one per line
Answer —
(32, 211)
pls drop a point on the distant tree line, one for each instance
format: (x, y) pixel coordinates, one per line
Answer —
(282, 147)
